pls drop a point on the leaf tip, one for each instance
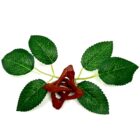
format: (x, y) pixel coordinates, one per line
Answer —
(107, 112)
(111, 45)
(137, 66)
(21, 108)
(18, 108)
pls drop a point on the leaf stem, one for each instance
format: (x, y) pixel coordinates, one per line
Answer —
(50, 79)
(85, 78)
(80, 73)
(52, 69)
(50, 75)
(54, 76)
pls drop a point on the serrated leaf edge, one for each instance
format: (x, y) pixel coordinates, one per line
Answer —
(102, 93)
(120, 84)
(92, 46)
(34, 106)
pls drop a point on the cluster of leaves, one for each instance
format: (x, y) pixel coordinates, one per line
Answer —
(112, 70)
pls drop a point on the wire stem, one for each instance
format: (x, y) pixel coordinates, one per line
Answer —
(50, 79)
(85, 78)
(54, 76)
(80, 73)
(52, 70)
(50, 75)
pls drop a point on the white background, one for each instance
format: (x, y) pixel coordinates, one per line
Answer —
(73, 25)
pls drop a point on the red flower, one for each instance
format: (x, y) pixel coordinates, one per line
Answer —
(64, 88)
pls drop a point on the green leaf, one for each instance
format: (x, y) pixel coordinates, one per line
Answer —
(18, 62)
(93, 99)
(43, 49)
(32, 95)
(117, 71)
(96, 54)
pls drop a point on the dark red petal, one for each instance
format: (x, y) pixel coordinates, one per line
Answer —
(57, 103)
(64, 86)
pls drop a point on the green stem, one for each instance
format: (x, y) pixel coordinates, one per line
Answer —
(52, 69)
(50, 79)
(85, 78)
(80, 73)
(54, 76)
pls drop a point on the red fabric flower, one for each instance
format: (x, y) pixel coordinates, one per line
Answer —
(64, 88)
